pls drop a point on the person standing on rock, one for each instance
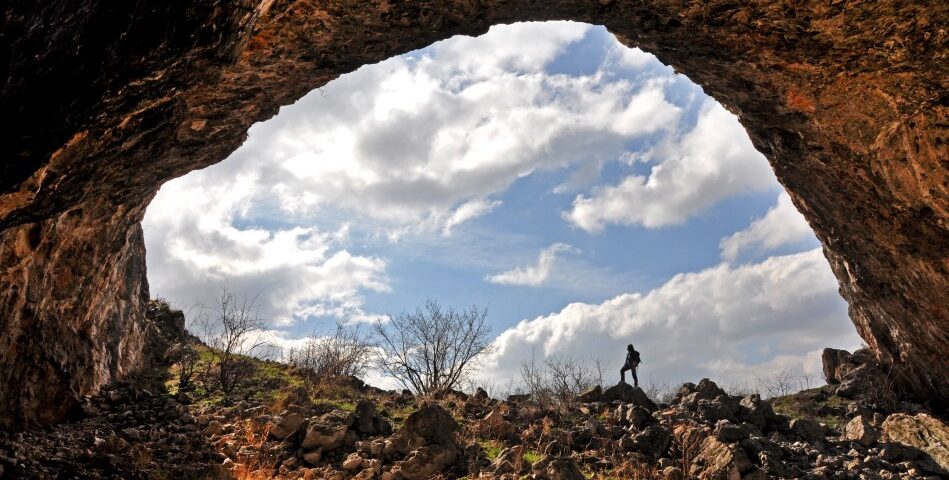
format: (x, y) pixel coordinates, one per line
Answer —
(632, 362)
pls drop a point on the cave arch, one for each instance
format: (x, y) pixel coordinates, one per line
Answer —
(847, 102)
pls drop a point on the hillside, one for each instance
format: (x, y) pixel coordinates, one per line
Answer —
(282, 423)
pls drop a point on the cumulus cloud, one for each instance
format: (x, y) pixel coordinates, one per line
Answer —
(423, 140)
(693, 171)
(726, 322)
(468, 210)
(532, 275)
(195, 249)
(782, 225)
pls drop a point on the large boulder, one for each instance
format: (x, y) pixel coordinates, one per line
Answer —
(690, 394)
(861, 431)
(627, 393)
(367, 421)
(328, 431)
(807, 429)
(719, 460)
(426, 462)
(286, 425)
(429, 425)
(653, 441)
(921, 431)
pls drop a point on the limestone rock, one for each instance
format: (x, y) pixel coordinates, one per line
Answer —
(851, 120)
(922, 431)
(429, 425)
(287, 425)
(327, 432)
(861, 431)
(719, 460)
(653, 441)
(625, 392)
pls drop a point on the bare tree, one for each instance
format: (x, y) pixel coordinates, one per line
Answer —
(346, 352)
(561, 378)
(233, 329)
(780, 384)
(433, 349)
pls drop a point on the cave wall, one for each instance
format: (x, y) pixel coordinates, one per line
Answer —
(848, 101)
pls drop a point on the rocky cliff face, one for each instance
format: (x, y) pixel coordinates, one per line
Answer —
(848, 102)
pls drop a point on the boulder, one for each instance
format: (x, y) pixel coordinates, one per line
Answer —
(807, 429)
(286, 425)
(627, 393)
(861, 431)
(921, 431)
(719, 460)
(557, 468)
(426, 462)
(594, 394)
(495, 424)
(481, 395)
(753, 410)
(639, 417)
(837, 363)
(653, 441)
(366, 421)
(328, 431)
(689, 394)
(430, 425)
(721, 407)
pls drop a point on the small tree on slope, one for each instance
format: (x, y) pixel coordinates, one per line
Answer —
(433, 349)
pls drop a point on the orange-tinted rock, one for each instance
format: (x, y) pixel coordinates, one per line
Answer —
(108, 101)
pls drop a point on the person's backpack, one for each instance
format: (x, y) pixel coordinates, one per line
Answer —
(634, 356)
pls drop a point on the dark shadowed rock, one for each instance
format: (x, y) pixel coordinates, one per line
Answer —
(653, 441)
(366, 422)
(594, 394)
(430, 425)
(808, 429)
(625, 392)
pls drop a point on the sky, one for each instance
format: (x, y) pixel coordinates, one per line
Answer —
(583, 192)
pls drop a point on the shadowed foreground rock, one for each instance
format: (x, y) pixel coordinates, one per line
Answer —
(111, 99)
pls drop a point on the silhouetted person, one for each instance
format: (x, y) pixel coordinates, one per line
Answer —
(632, 361)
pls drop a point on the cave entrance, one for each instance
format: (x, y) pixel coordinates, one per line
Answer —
(584, 192)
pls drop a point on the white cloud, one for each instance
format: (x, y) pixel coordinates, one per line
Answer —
(533, 275)
(713, 161)
(468, 210)
(195, 249)
(782, 225)
(725, 322)
(421, 142)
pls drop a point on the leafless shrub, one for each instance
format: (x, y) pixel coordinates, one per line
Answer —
(659, 391)
(433, 349)
(780, 384)
(346, 352)
(560, 379)
(233, 329)
(187, 365)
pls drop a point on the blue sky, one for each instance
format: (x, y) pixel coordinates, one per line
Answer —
(582, 191)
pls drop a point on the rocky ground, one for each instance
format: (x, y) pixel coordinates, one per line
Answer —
(140, 430)
(279, 424)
